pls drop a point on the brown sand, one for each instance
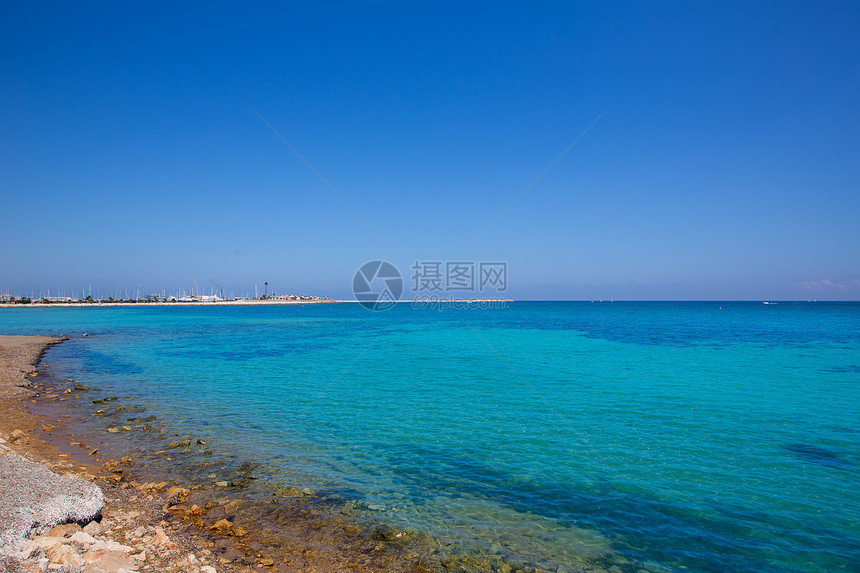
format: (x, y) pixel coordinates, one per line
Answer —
(18, 358)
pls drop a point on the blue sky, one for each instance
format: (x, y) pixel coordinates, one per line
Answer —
(725, 164)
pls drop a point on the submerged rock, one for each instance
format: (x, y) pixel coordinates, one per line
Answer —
(221, 525)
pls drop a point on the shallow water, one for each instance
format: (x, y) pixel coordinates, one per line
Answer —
(700, 436)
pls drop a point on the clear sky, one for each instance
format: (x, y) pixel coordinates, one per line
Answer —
(718, 153)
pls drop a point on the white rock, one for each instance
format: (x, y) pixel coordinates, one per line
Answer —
(31, 550)
(82, 539)
(207, 569)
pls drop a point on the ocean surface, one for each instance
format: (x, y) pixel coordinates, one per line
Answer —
(664, 436)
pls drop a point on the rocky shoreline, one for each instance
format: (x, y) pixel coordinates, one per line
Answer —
(54, 516)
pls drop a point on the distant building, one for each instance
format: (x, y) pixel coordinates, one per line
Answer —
(7, 297)
(200, 298)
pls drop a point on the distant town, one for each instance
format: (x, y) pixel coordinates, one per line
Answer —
(155, 298)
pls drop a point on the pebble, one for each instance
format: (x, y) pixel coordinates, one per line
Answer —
(17, 436)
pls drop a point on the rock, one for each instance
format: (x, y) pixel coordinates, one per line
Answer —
(230, 508)
(31, 550)
(17, 436)
(107, 561)
(33, 496)
(64, 555)
(207, 569)
(385, 533)
(81, 541)
(221, 483)
(222, 526)
(159, 486)
(46, 542)
(114, 546)
(351, 530)
(160, 538)
(93, 528)
(65, 530)
(178, 494)
(267, 561)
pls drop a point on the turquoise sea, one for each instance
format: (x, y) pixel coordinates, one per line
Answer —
(659, 436)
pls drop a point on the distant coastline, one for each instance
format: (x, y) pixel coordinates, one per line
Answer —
(187, 304)
(255, 302)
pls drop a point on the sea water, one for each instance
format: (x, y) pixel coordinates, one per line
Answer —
(674, 436)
